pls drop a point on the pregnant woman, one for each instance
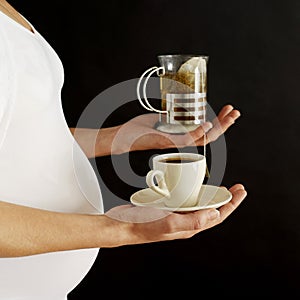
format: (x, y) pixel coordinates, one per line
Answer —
(52, 222)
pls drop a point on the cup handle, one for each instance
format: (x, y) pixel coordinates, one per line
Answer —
(148, 106)
(162, 187)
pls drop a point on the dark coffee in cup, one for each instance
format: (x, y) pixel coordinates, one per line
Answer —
(177, 160)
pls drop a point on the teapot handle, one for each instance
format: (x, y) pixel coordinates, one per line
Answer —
(148, 106)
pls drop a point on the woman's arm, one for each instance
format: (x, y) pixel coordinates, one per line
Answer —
(95, 142)
(139, 134)
(28, 231)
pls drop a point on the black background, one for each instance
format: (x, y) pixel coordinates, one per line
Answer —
(253, 48)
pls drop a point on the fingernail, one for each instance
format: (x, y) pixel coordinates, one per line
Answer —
(207, 126)
(213, 214)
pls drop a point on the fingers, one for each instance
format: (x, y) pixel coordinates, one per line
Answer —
(225, 111)
(205, 219)
(226, 118)
(191, 221)
(187, 139)
(217, 130)
(200, 131)
(238, 195)
(194, 136)
(227, 115)
(236, 187)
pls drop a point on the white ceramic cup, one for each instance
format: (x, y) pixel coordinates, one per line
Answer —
(179, 177)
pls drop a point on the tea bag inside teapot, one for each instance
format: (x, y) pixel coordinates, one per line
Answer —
(192, 73)
(193, 65)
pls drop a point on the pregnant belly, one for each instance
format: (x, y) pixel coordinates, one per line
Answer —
(45, 276)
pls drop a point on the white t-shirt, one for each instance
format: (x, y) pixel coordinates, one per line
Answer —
(41, 165)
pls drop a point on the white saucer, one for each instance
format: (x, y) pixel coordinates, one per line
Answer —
(210, 196)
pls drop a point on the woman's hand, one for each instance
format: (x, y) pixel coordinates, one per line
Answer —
(138, 225)
(139, 133)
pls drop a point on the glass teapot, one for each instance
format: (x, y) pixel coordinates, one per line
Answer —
(183, 89)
